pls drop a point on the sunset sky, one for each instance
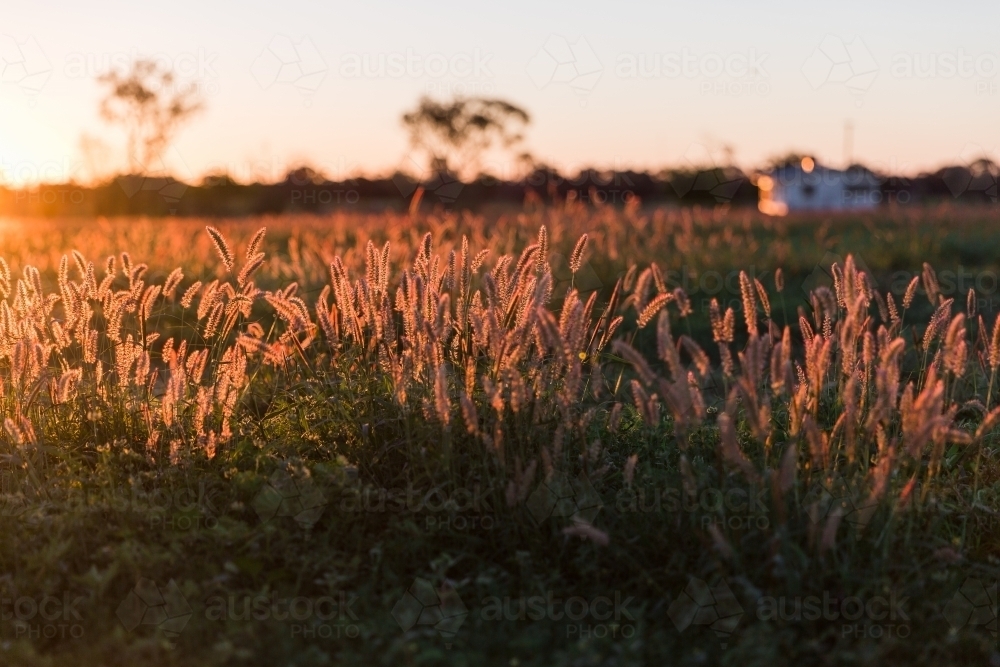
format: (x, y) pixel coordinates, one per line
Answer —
(615, 85)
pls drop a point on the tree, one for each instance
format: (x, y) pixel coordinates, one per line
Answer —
(454, 135)
(147, 103)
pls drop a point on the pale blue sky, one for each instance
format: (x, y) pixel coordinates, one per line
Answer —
(906, 114)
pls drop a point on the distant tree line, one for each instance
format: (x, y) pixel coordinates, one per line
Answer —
(305, 190)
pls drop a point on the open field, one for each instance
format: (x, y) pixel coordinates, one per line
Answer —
(364, 439)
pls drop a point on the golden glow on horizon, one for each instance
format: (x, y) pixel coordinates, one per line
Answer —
(808, 164)
(259, 123)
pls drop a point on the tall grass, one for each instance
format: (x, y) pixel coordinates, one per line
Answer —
(471, 350)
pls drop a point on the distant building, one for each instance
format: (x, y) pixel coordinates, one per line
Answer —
(806, 185)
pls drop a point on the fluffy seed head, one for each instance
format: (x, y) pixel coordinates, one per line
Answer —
(576, 257)
(911, 291)
(221, 247)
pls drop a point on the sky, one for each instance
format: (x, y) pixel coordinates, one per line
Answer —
(902, 87)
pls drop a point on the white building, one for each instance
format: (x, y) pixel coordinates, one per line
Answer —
(808, 186)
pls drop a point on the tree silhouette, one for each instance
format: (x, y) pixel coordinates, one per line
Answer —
(145, 101)
(454, 135)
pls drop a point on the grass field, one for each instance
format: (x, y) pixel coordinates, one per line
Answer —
(617, 437)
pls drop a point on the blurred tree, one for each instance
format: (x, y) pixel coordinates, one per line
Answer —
(455, 135)
(147, 101)
(97, 157)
